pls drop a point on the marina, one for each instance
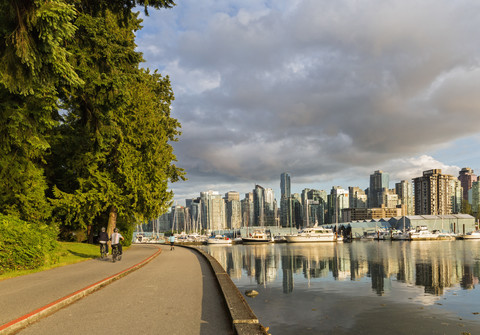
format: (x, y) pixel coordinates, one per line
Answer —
(376, 287)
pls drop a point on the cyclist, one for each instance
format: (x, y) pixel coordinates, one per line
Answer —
(103, 239)
(116, 236)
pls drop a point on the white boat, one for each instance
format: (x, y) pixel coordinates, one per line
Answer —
(219, 239)
(257, 237)
(312, 234)
(279, 239)
(422, 233)
(473, 235)
(398, 235)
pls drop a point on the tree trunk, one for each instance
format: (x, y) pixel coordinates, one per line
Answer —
(89, 234)
(112, 220)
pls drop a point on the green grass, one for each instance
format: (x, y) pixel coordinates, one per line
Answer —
(67, 253)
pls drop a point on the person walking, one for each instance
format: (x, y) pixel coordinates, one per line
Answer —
(172, 242)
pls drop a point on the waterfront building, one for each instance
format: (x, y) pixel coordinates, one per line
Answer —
(233, 210)
(259, 206)
(213, 211)
(404, 190)
(360, 214)
(455, 194)
(379, 182)
(466, 178)
(194, 206)
(297, 210)
(247, 210)
(389, 199)
(286, 209)
(270, 207)
(314, 206)
(337, 201)
(432, 193)
(357, 198)
(475, 197)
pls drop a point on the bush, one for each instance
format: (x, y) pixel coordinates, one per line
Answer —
(25, 246)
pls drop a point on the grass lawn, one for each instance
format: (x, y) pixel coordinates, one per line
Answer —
(68, 253)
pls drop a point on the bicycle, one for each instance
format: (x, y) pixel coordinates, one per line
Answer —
(103, 250)
(115, 253)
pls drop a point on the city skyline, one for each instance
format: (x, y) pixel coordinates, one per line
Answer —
(326, 91)
(277, 189)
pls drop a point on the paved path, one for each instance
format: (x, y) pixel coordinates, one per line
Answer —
(175, 293)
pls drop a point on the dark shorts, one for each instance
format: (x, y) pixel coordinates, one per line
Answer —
(171, 243)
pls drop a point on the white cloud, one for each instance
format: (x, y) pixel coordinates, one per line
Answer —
(319, 88)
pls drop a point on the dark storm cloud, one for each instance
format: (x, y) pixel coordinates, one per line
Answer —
(318, 89)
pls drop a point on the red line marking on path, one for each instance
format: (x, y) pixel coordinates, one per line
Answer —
(99, 283)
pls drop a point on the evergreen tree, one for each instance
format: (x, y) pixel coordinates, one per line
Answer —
(113, 143)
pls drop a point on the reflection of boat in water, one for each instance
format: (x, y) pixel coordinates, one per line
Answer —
(258, 236)
(473, 235)
(219, 239)
(312, 234)
(422, 233)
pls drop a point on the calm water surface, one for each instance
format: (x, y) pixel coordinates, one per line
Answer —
(376, 287)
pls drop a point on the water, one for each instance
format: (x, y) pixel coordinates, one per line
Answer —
(376, 287)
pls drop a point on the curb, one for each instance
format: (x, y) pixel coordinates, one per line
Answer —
(23, 321)
(244, 321)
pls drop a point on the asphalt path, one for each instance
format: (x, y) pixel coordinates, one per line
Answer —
(24, 294)
(175, 293)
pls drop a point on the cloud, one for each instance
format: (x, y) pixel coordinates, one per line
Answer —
(317, 88)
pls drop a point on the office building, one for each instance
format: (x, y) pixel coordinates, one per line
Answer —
(379, 182)
(466, 177)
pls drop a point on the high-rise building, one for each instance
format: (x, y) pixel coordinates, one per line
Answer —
(286, 209)
(456, 195)
(475, 197)
(432, 193)
(285, 185)
(337, 201)
(270, 207)
(357, 198)
(379, 181)
(213, 211)
(233, 210)
(248, 210)
(404, 191)
(259, 206)
(467, 177)
(314, 204)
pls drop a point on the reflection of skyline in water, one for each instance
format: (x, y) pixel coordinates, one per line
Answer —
(433, 265)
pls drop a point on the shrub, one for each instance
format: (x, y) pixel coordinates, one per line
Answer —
(24, 245)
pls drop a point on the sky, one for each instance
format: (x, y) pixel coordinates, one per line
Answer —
(328, 91)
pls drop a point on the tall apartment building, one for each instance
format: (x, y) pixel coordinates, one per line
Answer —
(248, 210)
(357, 198)
(233, 210)
(259, 206)
(337, 201)
(270, 207)
(404, 190)
(213, 211)
(467, 177)
(379, 181)
(286, 209)
(314, 206)
(194, 206)
(432, 193)
(475, 197)
(456, 195)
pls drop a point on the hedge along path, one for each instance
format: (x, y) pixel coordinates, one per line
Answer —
(15, 325)
(25, 246)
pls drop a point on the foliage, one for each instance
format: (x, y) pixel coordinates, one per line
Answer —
(25, 245)
(114, 141)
